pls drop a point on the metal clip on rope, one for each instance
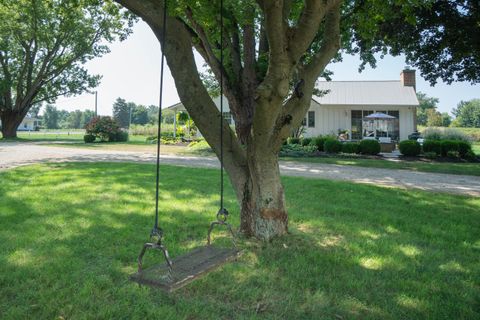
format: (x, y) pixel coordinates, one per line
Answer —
(222, 216)
(156, 243)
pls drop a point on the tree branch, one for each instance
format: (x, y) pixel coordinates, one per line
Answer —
(296, 106)
(307, 27)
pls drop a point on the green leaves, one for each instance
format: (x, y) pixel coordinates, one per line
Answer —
(44, 45)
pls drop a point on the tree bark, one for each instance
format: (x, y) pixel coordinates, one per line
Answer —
(10, 122)
(263, 213)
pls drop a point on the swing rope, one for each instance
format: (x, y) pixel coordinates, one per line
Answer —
(199, 261)
(156, 231)
(222, 209)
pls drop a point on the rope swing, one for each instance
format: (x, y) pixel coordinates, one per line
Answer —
(176, 273)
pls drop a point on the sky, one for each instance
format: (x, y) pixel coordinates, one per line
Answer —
(131, 71)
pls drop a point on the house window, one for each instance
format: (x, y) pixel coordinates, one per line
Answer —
(304, 122)
(356, 125)
(228, 117)
(311, 119)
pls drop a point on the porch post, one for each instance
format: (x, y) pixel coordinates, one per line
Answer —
(175, 124)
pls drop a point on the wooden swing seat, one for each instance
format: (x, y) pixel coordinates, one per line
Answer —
(186, 268)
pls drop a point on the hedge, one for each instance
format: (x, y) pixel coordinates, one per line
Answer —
(430, 146)
(319, 142)
(350, 147)
(332, 146)
(449, 146)
(410, 148)
(371, 147)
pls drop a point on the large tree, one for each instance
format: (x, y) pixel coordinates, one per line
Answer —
(43, 47)
(426, 105)
(274, 52)
(468, 113)
(121, 112)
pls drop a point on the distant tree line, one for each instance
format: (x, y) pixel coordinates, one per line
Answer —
(62, 119)
(128, 113)
(467, 113)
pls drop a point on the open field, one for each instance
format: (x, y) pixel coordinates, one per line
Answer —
(70, 234)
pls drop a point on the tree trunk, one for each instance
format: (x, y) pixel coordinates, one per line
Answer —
(10, 123)
(263, 212)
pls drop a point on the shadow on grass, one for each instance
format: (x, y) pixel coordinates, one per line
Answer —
(70, 234)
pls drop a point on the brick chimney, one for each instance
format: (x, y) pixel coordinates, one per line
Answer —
(407, 77)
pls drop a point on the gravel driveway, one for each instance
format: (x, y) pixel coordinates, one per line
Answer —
(13, 154)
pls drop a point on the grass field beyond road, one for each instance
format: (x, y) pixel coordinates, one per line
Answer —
(70, 234)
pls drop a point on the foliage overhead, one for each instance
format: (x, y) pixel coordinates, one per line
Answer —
(439, 37)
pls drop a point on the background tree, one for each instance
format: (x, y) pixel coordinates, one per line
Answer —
(434, 118)
(121, 112)
(274, 53)
(446, 119)
(153, 114)
(50, 117)
(87, 116)
(426, 103)
(140, 115)
(468, 113)
(43, 47)
(73, 120)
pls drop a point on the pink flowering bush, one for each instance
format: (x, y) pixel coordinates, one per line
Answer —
(106, 129)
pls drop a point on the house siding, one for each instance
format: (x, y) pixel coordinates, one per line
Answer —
(330, 118)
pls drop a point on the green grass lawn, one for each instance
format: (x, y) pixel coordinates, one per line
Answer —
(435, 167)
(70, 234)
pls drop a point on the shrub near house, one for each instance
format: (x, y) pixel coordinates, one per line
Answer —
(369, 147)
(410, 148)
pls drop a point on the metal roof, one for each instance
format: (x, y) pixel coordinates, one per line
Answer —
(366, 93)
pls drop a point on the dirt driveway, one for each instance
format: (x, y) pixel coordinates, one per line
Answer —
(13, 154)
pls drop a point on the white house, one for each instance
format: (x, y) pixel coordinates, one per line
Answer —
(345, 104)
(28, 124)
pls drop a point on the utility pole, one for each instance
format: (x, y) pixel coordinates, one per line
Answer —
(96, 104)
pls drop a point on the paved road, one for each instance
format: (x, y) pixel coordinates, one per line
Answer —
(17, 154)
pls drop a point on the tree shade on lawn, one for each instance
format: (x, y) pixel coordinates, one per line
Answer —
(69, 235)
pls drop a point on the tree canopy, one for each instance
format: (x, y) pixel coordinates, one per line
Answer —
(439, 37)
(274, 52)
(44, 45)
